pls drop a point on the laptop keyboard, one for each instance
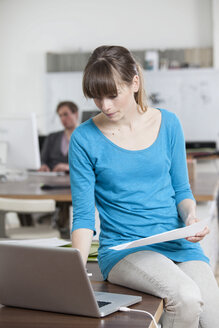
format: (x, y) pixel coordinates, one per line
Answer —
(102, 303)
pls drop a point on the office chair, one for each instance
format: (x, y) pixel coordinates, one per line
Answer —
(27, 206)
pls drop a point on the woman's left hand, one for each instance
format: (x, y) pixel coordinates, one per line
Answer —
(199, 235)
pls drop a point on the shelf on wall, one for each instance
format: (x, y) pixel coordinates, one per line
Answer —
(149, 59)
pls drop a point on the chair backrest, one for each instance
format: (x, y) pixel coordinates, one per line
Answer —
(27, 205)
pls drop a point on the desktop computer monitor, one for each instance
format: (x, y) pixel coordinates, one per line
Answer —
(86, 114)
(20, 139)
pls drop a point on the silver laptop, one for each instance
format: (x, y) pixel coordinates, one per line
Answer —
(53, 279)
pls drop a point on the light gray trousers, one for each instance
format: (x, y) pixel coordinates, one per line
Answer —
(189, 289)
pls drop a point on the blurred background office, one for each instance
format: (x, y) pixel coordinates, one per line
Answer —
(40, 40)
(45, 45)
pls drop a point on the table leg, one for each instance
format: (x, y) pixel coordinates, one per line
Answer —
(2, 225)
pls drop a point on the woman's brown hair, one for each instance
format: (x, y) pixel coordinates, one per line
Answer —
(106, 64)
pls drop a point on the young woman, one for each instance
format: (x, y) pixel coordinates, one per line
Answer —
(130, 161)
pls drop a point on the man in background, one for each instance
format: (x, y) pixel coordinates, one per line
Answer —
(54, 154)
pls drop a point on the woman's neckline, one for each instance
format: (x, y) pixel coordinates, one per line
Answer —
(125, 149)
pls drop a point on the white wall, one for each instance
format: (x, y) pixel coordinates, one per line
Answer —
(30, 28)
(215, 21)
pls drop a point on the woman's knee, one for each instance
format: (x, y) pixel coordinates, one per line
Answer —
(186, 304)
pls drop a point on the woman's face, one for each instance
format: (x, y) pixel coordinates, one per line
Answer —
(115, 108)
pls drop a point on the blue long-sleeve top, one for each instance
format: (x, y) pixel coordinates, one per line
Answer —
(135, 191)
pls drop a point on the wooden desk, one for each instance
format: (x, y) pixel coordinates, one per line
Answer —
(30, 188)
(22, 318)
(204, 188)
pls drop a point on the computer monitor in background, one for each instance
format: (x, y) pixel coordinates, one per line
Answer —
(86, 114)
(21, 140)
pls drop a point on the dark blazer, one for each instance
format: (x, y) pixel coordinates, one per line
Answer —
(51, 152)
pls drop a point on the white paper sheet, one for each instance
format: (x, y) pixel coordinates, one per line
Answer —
(188, 231)
(46, 242)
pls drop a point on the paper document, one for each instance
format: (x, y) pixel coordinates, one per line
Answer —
(46, 242)
(187, 231)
